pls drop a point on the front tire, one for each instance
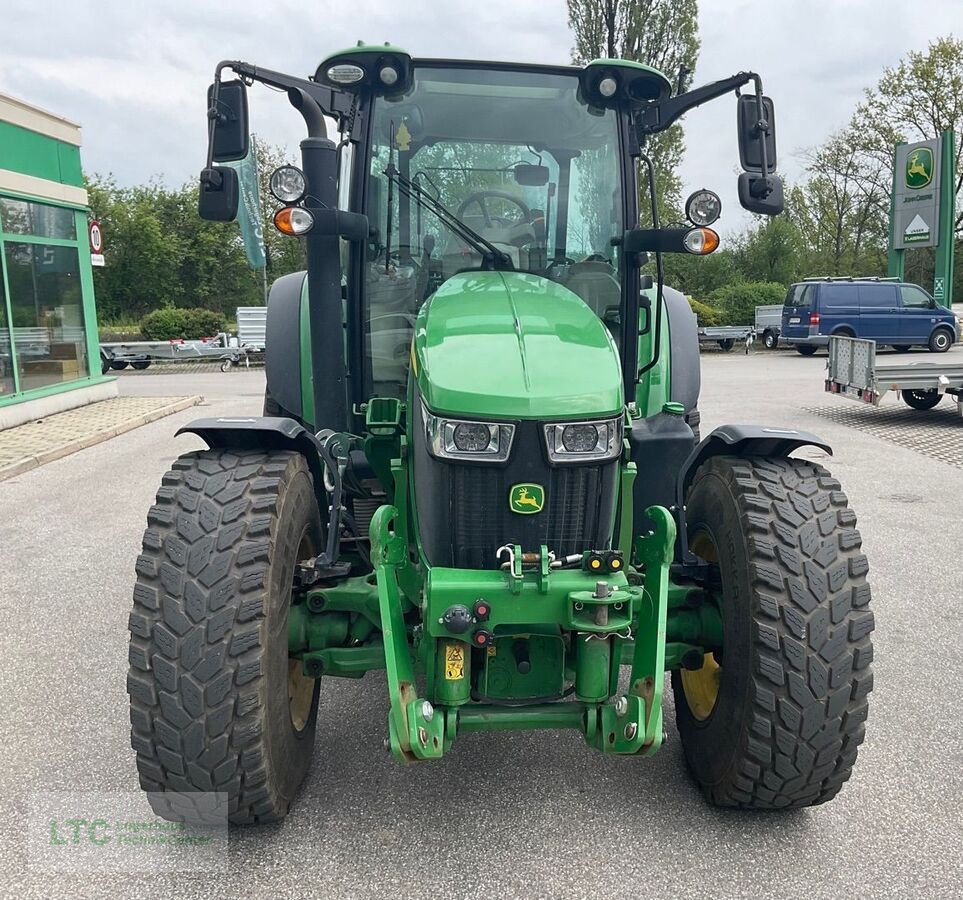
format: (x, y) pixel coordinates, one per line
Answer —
(940, 340)
(215, 704)
(777, 716)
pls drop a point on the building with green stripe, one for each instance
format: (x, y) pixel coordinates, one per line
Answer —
(49, 350)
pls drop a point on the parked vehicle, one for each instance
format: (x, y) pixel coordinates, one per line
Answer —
(727, 335)
(502, 504)
(768, 325)
(853, 372)
(883, 310)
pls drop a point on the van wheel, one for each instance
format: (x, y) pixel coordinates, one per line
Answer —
(805, 349)
(844, 332)
(940, 340)
(921, 399)
(770, 340)
(901, 348)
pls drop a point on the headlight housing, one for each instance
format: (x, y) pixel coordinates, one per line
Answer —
(288, 184)
(584, 441)
(466, 440)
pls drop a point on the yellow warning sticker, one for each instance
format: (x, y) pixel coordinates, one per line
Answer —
(492, 650)
(454, 662)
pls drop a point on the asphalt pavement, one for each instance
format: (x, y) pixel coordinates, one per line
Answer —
(503, 815)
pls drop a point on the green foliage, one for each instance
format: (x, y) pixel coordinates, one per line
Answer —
(164, 324)
(706, 314)
(735, 304)
(201, 323)
(159, 252)
(171, 323)
(663, 34)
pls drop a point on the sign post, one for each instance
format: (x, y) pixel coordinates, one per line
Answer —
(922, 209)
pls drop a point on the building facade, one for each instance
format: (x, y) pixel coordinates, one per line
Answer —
(49, 348)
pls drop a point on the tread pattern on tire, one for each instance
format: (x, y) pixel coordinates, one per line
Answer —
(811, 629)
(195, 652)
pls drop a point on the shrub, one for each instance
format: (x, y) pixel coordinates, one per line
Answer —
(164, 324)
(202, 323)
(190, 324)
(705, 314)
(736, 303)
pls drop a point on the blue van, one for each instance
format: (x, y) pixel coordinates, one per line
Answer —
(888, 312)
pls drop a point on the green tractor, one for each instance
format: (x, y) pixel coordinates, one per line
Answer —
(478, 469)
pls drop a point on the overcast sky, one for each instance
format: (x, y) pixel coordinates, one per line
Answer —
(134, 74)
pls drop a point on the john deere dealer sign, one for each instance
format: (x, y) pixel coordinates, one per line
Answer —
(917, 197)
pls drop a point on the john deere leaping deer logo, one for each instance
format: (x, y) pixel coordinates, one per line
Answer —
(526, 499)
(919, 168)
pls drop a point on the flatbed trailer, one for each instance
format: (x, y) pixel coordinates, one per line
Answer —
(727, 335)
(140, 354)
(853, 371)
(768, 325)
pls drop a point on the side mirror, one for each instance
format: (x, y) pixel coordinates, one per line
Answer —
(761, 193)
(231, 133)
(753, 133)
(219, 194)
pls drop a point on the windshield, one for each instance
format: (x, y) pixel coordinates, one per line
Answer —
(478, 168)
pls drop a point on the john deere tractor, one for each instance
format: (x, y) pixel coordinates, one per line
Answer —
(476, 474)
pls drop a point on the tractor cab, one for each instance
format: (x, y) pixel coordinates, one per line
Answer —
(478, 468)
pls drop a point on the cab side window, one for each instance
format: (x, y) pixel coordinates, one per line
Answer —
(914, 297)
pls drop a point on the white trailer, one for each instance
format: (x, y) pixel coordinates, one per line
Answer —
(852, 371)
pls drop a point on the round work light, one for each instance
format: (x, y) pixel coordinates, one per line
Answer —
(703, 208)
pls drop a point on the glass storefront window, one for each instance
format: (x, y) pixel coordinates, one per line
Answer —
(46, 303)
(6, 358)
(39, 219)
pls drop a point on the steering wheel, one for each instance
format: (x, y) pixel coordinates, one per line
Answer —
(480, 197)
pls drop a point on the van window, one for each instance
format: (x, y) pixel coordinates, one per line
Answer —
(833, 296)
(878, 296)
(914, 297)
(799, 295)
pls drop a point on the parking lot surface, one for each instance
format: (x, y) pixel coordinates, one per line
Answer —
(503, 815)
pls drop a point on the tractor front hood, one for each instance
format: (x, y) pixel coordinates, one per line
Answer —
(511, 345)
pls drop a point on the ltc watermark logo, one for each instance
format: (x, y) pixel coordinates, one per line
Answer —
(120, 832)
(526, 499)
(919, 168)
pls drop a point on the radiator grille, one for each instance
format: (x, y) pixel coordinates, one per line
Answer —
(482, 521)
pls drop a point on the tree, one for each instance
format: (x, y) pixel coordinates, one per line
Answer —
(842, 208)
(660, 33)
(770, 251)
(919, 98)
(160, 253)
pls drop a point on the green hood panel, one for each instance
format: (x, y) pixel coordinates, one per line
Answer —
(514, 346)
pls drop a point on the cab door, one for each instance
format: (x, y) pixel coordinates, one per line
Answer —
(916, 314)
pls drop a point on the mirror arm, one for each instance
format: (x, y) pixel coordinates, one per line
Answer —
(307, 97)
(660, 116)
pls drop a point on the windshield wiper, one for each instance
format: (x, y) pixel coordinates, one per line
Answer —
(416, 192)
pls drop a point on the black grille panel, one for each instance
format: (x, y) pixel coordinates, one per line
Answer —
(482, 520)
(464, 514)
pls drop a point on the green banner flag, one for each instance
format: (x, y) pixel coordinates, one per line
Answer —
(249, 209)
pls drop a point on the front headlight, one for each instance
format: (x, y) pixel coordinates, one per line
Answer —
(583, 441)
(474, 441)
